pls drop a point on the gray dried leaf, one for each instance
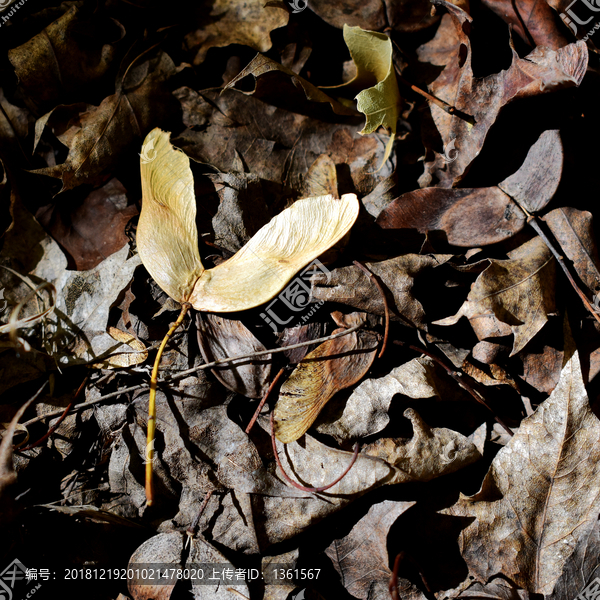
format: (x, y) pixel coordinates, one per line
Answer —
(220, 337)
(430, 453)
(203, 553)
(349, 285)
(365, 412)
(541, 495)
(165, 549)
(361, 558)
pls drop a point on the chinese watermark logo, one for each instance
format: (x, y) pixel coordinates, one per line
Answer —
(5, 4)
(571, 18)
(150, 456)
(148, 152)
(15, 582)
(591, 592)
(448, 148)
(3, 302)
(295, 298)
(297, 5)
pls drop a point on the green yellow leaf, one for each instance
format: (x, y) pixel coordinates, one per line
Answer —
(380, 101)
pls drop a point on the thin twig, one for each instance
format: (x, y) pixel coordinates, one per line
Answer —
(152, 405)
(192, 530)
(182, 374)
(447, 108)
(302, 487)
(386, 309)
(220, 361)
(262, 402)
(460, 378)
(60, 420)
(393, 585)
(534, 224)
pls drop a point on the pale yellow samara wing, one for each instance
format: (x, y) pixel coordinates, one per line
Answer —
(168, 240)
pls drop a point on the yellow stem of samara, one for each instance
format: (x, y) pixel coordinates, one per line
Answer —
(152, 405)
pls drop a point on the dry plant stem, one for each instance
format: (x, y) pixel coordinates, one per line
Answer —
(386, 309)
(460, 378)
(192, 530)
(262, 402)
(152, 405)
(393, 586)
(534, 224)
(302, 487)
(60, 420)
(135, 388)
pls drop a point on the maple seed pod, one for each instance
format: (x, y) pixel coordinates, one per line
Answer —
(167, 238)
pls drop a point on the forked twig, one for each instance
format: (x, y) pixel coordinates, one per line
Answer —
(302, 487)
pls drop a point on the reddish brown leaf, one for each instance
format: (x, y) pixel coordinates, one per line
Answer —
(469, 217)
(94, 228)
(533, 20)
(541, 71)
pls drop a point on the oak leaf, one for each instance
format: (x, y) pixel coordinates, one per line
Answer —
(540, 496)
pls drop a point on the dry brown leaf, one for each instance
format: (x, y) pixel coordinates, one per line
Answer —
(80, 49)
(223, 588)
(91, 229)
(574, 231)
(102, 136)
(350, 286)
(402, 15)
(431, 452)
(168, 240)
(469, 217)
(220, 337)
(533, 20)
(512, 296)
(247, 22)
(482, 216)
(541, 494)
(541, 71)
(164, 549)
(333, 366)
(121, 358)
(280, 86)
(366, 410)
(279, 144)
(361, 558)
(537, 179)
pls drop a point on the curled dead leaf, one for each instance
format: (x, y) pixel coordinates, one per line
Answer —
(333, 366)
